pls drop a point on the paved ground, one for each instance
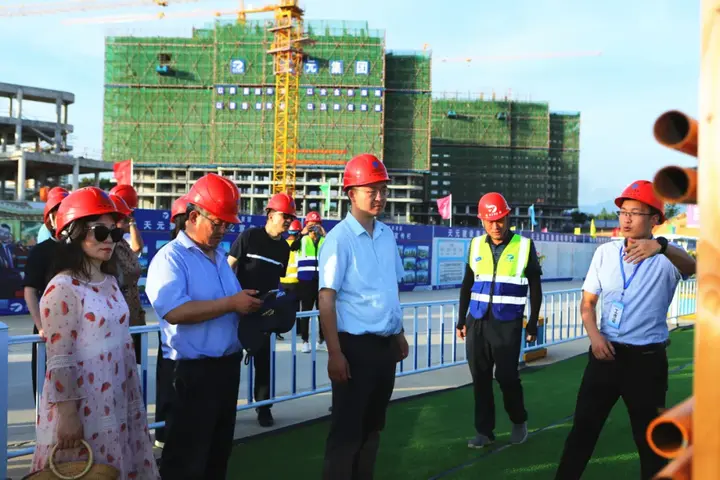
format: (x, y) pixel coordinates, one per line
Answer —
(312, 367)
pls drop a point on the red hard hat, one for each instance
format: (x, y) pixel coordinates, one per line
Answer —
(283, 203)
(492, 206)
(54, 197)
(313, 217)
(85, 202)
(127, 193)
(120, 205)
(179, 207)
(295, 226)
(217, 195)
(364, 169)
(642, 191)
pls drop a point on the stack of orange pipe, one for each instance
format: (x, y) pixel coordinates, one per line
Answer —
(678, 131)
(670, 436)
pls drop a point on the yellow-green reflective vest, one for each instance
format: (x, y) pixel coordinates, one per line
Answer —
(504, 286)
(308, 259)
(291, 275)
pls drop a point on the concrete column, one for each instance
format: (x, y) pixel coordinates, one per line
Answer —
(18, 126)
(392, 211)
(76, 174)
(407, 213)
(58, 132)
(21, 176)
(4, 142)
(97, 179)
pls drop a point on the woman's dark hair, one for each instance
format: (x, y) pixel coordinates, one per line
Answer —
(70, 255)
(179, 222)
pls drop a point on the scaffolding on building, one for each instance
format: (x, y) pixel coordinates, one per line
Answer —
(519, 148)
(217, 108)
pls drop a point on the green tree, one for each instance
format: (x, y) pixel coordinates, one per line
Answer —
(105, 183)
(579, 218)
(672, 210)
(605, 215)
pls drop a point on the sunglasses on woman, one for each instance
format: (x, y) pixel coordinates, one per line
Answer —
(102, 233)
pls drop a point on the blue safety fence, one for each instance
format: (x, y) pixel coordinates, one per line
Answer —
(429, 329)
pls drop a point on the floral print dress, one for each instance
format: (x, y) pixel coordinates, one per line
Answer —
(90, 360)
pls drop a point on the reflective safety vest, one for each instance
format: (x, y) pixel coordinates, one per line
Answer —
(292, 268)
(504, 286)
(308, 259)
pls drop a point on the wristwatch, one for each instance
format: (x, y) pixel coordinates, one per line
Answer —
(663, 244)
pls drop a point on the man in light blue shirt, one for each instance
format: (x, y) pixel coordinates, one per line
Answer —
(198, 300)
(360, 313)
(635, 281)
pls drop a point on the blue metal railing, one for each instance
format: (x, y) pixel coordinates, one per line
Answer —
(427, 327)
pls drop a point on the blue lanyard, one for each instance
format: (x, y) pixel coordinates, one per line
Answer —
(627, 281)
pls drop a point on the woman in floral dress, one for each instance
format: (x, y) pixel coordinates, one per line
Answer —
(91, 389)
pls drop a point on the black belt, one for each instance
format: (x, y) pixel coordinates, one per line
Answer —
(650, 347)
(368, 336)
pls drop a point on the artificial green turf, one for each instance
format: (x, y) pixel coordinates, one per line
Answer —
(427, 436)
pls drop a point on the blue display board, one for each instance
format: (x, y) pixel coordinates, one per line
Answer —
(433, 257)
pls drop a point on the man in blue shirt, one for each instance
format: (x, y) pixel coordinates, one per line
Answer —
(635, 281)
(198, 298)
(360, 313)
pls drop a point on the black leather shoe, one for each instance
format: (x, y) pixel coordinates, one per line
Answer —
(265, 418)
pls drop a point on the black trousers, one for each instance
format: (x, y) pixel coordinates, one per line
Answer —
(163, 389)
(261, 359)
(640, 376)
(308, 292)
(137, 345)
(359, 406)
(33, 362)
(201, 421)
(293, 288)
(493, 343)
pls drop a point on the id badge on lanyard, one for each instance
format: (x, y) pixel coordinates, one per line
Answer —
(617, 307)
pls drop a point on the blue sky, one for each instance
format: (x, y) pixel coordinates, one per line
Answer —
(650, 64)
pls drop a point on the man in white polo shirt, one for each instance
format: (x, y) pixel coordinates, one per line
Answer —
(637, 279)
(360, 313)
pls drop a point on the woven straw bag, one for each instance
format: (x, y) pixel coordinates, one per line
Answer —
(75, 470)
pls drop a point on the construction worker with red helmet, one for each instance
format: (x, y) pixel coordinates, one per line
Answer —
(502, 266)
(132, 233)
(178, 215)
(310, 241)
(37, 269)
(51, 205)
(634, 280)
(164, 367)
(360, 312)
(91, 391)
(289, 282)
(198, 301)
(129, 273)
(260, 257)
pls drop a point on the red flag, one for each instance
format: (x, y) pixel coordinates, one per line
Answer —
(123, 172)
(445, 207)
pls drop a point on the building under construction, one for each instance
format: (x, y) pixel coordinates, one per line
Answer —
(180, 107)
(521, 149)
